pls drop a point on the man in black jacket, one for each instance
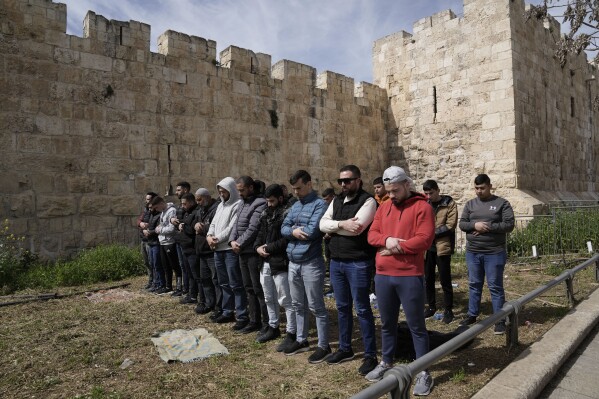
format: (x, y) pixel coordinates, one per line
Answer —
(210, 295)
(143, 223)
(186, 241)
(152, 236)
(272, 247)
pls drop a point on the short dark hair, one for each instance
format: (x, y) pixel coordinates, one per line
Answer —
(259, 187)
(152, 194)
(378, 180)
(189, 197)
(245, 180)
(157, 200)
(185, 185)
(274, 190)
(430, 185)
(353, 169)
(302, 175)
(327, 192)
(482, 179)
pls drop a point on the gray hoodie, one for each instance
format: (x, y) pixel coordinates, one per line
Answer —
(167, 229)
(226, 215)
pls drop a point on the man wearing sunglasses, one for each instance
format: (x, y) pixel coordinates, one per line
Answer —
(347, 220)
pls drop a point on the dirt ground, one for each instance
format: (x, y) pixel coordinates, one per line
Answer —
(74, 348)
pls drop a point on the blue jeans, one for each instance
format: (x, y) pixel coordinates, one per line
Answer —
(351, 280)
(158, 271)
(492, 265)
(306, 284)
(391, 292)
(230, 281)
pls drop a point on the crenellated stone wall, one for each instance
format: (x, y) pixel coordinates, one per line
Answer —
(90, 124)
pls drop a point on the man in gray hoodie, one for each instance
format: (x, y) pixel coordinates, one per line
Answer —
(166, 235)
(227, 261)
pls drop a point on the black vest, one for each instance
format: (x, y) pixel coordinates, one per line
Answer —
(350, 247)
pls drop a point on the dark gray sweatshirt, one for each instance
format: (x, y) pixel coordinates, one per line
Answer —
(498, 212)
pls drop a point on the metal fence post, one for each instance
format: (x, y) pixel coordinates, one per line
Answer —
(597, 271)
(511, 338)
(570, 289)
(404, 380)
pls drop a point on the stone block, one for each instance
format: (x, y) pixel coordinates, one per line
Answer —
(94, 205)
(50, 206)
(491, 121)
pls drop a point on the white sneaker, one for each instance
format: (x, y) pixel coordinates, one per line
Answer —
(424, 383)
(378, 372)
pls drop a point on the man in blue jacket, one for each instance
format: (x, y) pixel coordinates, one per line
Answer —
(306, 266)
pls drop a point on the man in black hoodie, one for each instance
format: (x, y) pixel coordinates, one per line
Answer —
(186, 241)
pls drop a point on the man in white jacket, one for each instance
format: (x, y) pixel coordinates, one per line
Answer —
(166, 235)
(225, 260)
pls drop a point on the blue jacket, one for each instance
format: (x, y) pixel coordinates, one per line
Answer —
(304, 213)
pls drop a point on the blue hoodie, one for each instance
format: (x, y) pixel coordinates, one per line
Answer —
(305, 213)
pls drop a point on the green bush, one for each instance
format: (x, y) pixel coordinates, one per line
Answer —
(14, 260)
(562, 232)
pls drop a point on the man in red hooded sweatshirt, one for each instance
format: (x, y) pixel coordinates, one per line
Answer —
(402, 230)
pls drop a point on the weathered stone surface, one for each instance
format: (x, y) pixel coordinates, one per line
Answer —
(53, 206)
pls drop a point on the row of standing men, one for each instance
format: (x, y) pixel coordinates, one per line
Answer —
(257, 249)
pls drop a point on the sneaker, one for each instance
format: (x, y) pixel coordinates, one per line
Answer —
(263, 330)
(448, 317)
(468, 320)
(177, 293)
(368, 364)
(239, 325)
(215, 315)
(163, 291)
(319, 355)
(203, 309)
(187, 300)
(429, 312)
(377, 373)
(224, 319)
(340, 356)
(269, 335)
(249, 327)
(297, 347)
(500, 328)
(423, 385)
(288, 340)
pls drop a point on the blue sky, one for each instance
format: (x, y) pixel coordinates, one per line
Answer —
(334, 35)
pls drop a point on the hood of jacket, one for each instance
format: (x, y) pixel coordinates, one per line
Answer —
(228, 183)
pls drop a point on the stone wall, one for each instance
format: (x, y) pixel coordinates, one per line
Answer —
(89, 124)
(483, 94)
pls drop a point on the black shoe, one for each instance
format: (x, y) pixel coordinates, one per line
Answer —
(263, 330)
(177, 293)
(429, 312)
(202, 309)
(250, 327)
(269, 335)
(500, 328)
(225, 319)
(340, 356)
(239, 325)
(215, 315)
(286, 342)
(448, 316)
(468, 320)
(163, 291)
(319, 355)
(187, 300)
(368, 364)
(297, 347)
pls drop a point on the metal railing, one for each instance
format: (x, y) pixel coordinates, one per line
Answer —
(397, 380)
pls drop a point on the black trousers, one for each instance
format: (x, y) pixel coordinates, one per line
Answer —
(443, 263)
(170, 263)
(250, 265)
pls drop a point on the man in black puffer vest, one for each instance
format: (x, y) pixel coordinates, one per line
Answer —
(347, 220)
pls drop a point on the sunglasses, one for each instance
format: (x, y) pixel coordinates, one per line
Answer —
(346, 180)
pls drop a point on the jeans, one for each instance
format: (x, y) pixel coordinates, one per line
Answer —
(492, 265)
(147, 257)
(212, 293)
(250, 273)
(276, 294)
(230, 281)
(159, 280)
(351, 283)
(443, 263)
(194, 289)
(391, 292)
(306, 284)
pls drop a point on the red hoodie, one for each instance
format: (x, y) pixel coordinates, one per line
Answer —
(414, 221)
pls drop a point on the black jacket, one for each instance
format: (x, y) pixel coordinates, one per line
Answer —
(188, 234)
(204, 215)
(154, 221)
(269, 233)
